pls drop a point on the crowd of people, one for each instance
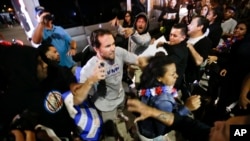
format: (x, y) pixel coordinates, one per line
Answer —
(163, 91)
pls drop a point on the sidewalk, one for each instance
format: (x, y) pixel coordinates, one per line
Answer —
(16, 32)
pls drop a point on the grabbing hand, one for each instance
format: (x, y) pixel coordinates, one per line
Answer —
(128, 32)
(41, 18)
(212, 59)
(71, 52)
(135, 105)
(244, 102)
(160, 44)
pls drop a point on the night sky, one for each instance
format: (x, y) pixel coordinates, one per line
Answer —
(7, 2)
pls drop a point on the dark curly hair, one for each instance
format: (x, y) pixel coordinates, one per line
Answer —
(155, 68)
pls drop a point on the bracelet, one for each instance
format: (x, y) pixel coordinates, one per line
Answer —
(72, 48)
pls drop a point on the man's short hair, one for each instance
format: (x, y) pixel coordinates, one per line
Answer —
(202, 21)
(96, 34)
(43, 49)
(182, 27)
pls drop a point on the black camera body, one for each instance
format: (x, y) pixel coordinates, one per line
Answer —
(40, 10)
(49, 17)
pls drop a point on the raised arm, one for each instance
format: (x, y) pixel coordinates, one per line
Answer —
(81, 90)
(38, 33)
(145, 111)
(245, 90)
(197, 57)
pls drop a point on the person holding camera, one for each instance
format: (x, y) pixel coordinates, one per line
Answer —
(47, 32)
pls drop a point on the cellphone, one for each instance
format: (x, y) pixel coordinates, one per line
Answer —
(102, 64)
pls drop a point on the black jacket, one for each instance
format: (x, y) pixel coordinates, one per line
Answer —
(191, 129)
(178, 53)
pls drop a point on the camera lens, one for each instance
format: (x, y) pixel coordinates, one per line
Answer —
(49, 17)
(102, 64)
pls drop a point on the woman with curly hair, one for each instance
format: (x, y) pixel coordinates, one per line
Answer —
(156, 90)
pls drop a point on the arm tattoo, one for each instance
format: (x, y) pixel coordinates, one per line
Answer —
(165, 118)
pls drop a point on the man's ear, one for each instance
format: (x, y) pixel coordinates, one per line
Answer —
(184, 37)
(201, 26)
(95, 49)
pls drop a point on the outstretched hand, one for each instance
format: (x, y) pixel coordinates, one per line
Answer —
(135, 105)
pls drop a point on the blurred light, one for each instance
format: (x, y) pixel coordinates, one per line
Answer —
(4, 5)
(74, 13)
(3, 10)
(10, 9)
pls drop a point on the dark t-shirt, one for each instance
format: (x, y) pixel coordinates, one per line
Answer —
(20, 90)
(179, 54)
(18, 81)
(49, 104)
(193, 72)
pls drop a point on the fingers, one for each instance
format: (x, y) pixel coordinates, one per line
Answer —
(71, 52)
(138, 119)
(159, 44)
(189, 45)
(244, 103)
(133, 105)
(193, 102)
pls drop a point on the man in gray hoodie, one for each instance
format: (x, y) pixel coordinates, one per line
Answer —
(139, 37)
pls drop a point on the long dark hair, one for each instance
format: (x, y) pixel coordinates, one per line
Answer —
(155, 68)
(125, 23)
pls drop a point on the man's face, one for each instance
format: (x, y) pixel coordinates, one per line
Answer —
(176, 36)
(52, 54)
(172, 3)
(228, 14)
(106, 50)
(193, 27)
(141, 25)
(221, 129)
(42, 69)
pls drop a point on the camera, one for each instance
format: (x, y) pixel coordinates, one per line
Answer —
(49, 17)
(101, 65)
(40, 10)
